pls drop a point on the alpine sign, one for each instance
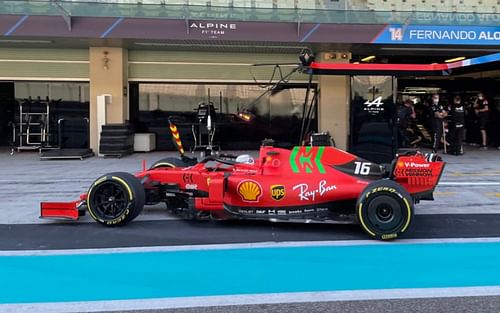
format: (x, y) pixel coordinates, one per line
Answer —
(374, 107)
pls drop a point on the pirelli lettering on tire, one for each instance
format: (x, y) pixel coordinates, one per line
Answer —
(389, 236)
(388, 189)
(97, 182)
(164, 164)
(119, 219)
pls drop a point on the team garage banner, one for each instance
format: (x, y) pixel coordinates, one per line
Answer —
(18, 26)
(439, 35)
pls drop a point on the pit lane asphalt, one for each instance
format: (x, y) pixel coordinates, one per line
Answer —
(488, 304)
(184, 232)
(435, 305)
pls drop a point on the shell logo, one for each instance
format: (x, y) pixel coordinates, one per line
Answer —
(400, 164)
(249, 190)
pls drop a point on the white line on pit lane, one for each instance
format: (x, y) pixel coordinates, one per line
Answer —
(251, 299)
(285, 244)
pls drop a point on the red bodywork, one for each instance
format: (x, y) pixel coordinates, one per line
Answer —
(297, 180)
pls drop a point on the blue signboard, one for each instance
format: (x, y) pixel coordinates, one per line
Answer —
(439, 35)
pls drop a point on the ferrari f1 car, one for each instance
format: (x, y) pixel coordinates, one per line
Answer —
(304, 183)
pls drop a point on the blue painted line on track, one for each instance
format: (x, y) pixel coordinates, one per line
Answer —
(309, 33)
(16, 26)
(125, 276)
(110, 28)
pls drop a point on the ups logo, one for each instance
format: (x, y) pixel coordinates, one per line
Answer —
(277, 192)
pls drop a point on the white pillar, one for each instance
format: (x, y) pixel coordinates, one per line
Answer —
(334, 98)
(103, 101)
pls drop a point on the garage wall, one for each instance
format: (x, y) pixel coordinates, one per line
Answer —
(44, 64)
(181, 66)
(158, 66)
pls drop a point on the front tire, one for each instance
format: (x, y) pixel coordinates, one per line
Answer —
(115, 199)
(384, 210)
(168, 163)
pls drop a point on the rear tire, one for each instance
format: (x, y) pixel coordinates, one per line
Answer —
(115, 199)
(384, 210)
(168, 163)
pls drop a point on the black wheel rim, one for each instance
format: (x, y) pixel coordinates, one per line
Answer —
(109, 200)
(385, 214)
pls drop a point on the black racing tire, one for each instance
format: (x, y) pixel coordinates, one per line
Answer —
(168, 163)
(384, 209)
(115, 199)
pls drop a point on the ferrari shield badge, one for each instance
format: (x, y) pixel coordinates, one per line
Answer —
(277, 192)
(249, 190)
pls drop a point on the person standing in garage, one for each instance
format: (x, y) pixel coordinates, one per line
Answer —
(481, 108)
(495, 115)
(405, 113)
(457, 122)
(439, 113)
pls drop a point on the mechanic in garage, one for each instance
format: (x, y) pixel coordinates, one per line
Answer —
(439, 113)
(457, 122)
(405, 113)
(481, 108)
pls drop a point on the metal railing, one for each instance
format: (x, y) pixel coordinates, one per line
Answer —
(317, 11)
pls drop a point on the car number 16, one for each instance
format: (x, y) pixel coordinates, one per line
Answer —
(362, 168)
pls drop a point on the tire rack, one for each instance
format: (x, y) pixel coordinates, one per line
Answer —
(33, 130)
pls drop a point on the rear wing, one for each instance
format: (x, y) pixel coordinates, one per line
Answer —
(418, 173)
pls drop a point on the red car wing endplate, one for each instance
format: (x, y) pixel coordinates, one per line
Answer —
(59, 210)
(63, 210)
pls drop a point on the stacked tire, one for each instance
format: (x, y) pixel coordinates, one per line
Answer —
(116, 140)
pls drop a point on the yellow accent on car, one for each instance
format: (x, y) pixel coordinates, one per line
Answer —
(131, 197)
(100, 180)
(90, 209)
(409, 215)
(362, 221)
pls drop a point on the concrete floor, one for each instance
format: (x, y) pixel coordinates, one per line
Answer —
(470, 184)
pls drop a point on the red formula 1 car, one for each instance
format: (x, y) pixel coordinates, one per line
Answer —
(300, 184)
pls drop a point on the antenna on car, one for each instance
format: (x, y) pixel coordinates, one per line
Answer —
(306, 57)
(244, 113)
(176, 137)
